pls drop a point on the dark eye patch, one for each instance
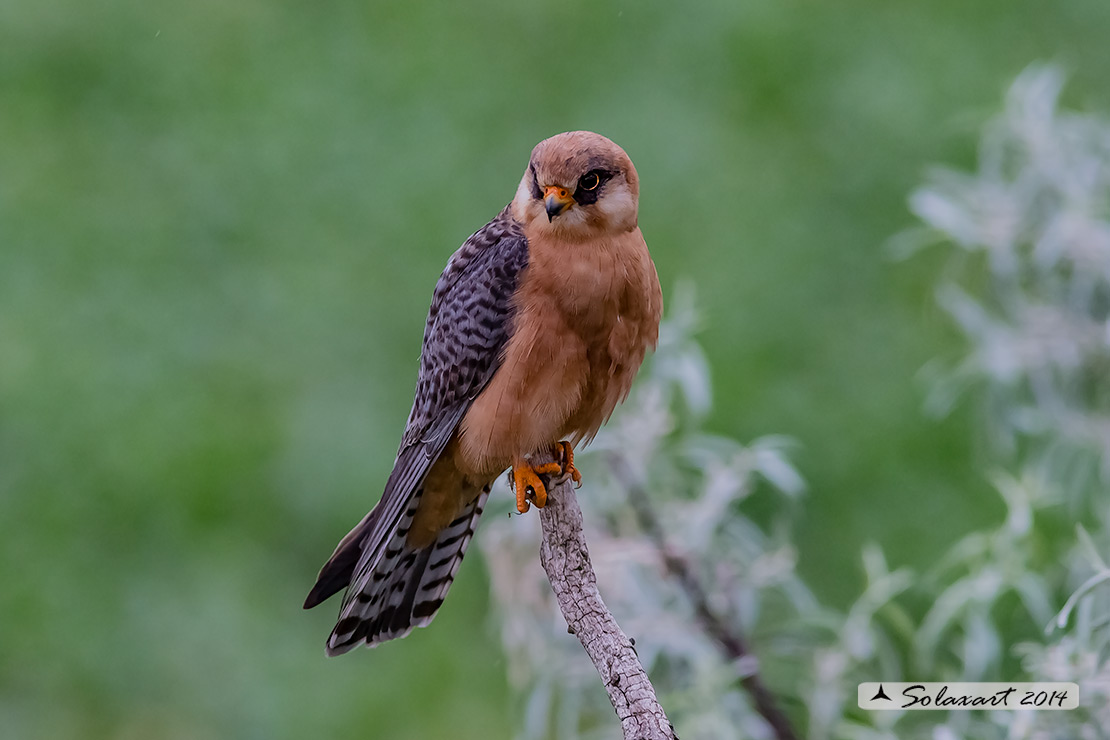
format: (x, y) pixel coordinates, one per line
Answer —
(536, 192)
(589, 186)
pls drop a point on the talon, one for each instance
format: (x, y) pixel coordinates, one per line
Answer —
(529, 485)
(565, 453)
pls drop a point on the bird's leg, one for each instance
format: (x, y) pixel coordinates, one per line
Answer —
(530, 486)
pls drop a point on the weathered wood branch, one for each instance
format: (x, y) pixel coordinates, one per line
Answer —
(566, 560)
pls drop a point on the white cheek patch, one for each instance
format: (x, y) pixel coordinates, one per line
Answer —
(618, 208)
(524, 190)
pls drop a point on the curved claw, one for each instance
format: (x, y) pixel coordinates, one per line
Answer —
(529, 485)
(565, 453)
(528, 479)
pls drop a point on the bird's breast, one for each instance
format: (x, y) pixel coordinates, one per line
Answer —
(606, 294)
(585, 314)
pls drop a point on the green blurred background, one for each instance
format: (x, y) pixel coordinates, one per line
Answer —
(220, 224)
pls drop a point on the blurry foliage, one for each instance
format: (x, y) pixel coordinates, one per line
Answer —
(997, 602)
(1032, 298)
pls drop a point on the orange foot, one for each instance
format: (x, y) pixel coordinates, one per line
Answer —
(565, 453)
(527, 480)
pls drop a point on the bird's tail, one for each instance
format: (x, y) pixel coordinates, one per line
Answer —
(404, 589)
(336, 573)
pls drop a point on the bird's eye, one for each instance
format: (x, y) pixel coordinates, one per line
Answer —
(589, 186)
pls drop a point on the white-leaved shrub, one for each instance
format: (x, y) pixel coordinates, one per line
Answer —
(1031, 294)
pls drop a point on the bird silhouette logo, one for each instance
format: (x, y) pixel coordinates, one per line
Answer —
(880, 694)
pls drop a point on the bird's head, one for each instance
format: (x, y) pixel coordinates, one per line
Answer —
(578, 185)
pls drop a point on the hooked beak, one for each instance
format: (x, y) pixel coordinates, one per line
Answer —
(556, 200)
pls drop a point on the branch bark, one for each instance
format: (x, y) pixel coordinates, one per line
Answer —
(566, 560)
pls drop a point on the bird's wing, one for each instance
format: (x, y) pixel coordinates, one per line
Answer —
(469, 322)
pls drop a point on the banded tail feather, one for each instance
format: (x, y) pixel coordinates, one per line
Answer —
(336, 573)
(406, 587)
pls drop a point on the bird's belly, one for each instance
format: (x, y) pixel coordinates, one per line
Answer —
(561, 379)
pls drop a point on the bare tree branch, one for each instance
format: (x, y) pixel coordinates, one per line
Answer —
(566, 561)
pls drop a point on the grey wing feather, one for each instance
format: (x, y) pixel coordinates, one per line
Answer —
(467, 327)
(469, 323)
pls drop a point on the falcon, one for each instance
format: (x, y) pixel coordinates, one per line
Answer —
(537, 327)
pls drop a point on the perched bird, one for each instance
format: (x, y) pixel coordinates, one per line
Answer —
(536, 329)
